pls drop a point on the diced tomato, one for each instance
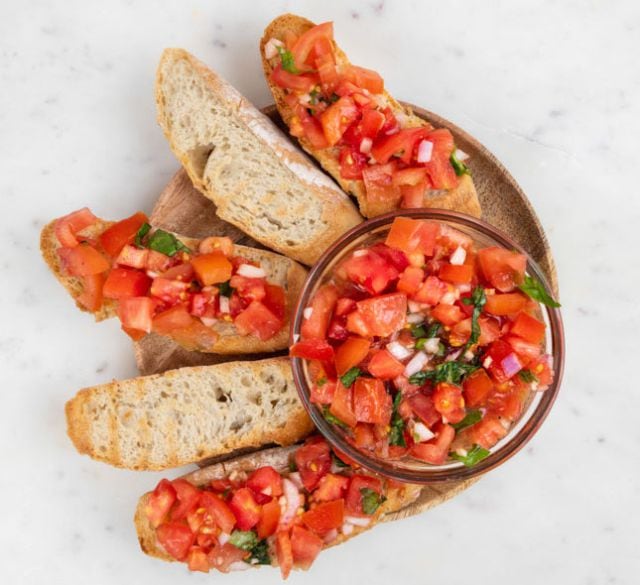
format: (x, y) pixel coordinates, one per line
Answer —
(371, 270)
(487, 432)
(275, 300)
(197, 559)
(353, 501)
(311, 129)
(114, 238)
(489, 331)
(371, 123)
(266, 480)
(204, 304)
(400, 144)
(159, 262)
(68, 226)
(509, 404)
(160, 502)
(313, 349)
(529, 328)
(324, 517)
(477, 387)
(462, 274)
(412, 235)
(501, 361)
(337, 118)
(91, 296)
(176, 539)
(223, 556)
(331, 487)
(327, 72)
(365, 78)
(245, 508)
(284, 553)
(382, 315)
(440, 170)
(218, 512)
(410, 176)
(187, 495)
(541, 369)
(256, 319)
(82, 260)
(170, 291)
(371, 403)
(181, 272)
(424, 408)
(177, 317)
(502, 268)
(322, 305)
(300, 83)
(223, 244)
(384, 366)
(352, 163)
(313, 461)
(447, 314)
(350, 354)
(269, 519)
(136, 313)
(342, 405)
(252, 289)
(123, 283)
(307, 41)
(378, 183)
(133, 257)
(323, 392)
(363, 436)
(448, 401)
(212, 268)
(524, 349)
(436, 450)
(431, 291)
(410, 280)
(505, 304)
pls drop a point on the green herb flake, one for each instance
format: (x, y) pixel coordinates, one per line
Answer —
(470, 419)
(418, 331)
(225, 288)
(478, 298)
(166, 243)
(473, 456)
(337, 461)
(441, 350)
(314, 96)
(259, 554)
(334, 97)
(350, 377)
(140, 236)
(458, 166)
(396, 434)
(433, 330)
(244, 539)
(420, 343)
(292, 466)
(534, 289)
(332, 418)
(321, 382)
(371, 500)
(451, 372)
(527, 376)
(287, 60)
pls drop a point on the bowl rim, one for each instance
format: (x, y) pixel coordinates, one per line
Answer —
(439, 474)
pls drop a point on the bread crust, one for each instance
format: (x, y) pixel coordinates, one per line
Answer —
(338, 212)
(463, 198)
(229, 341)
(398, 496)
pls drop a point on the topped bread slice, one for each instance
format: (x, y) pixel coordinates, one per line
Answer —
(240, 160)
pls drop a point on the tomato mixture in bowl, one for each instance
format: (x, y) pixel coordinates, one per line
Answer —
(427, 345)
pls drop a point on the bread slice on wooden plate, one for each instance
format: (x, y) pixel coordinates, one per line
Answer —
(461, 198)
(240, 160)
(398, 497)
(279, 269)
(188, 415)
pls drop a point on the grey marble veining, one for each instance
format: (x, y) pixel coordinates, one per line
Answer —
(552, 88)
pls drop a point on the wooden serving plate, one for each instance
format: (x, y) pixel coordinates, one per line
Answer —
(182, 209)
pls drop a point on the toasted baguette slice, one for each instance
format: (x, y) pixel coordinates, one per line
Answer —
(398, 496)
(188, 415)
(463, 198)
(240, 160)
(280, 270)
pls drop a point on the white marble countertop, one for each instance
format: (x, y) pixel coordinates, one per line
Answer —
(552, 88)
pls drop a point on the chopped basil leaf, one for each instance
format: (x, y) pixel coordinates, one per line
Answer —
(396, 434)
(527, 376)
(165, 243)
(441, 350)
(371, 500)
(458, 166)
(418, 331)
(337, 461)
(244, 539)
(332, 418)
(473, 456)
(334, 97)
(226, 290)
(451, 372)
(287, 60)
(433, 330)
(142, 232)
(420, 343)
(321, 382)
(534, 288)
(292, 466)
(478, 298)
(313, 96)
(350, 377)
(471, 418)
(259, 554)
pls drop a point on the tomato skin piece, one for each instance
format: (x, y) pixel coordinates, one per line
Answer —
(436, 450)
(220, 512)
(284, 552)
(529, 328)
(266, 480)
(331, 487)
(115, 237)
(350, 354)
(176, 539)
(447, 314)
(353, 501)
(505, 304)
(448, 401)
(324, 517)
(126, 282)
(68, 226)
(371, 403)
(322, 305)
(136, 313)
(257, 320)
(82, 260)
(462, 274)
(91, 296)
(160, 502)
(384, 366)
(245, 508)
(382, 315)
(503, 269)
(313, 461)
(477, 388)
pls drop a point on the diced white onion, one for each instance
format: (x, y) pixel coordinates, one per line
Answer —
(462, 452)
(398, 351)
(420, 432)
(296, 337)
(239, 566)
(359, 253)
(534, 386)
(425, 149)
(402, 118)
(305, 99)
(289, 502)
(271, 48)
(365, 145)
(448, 298)
(459, 256)
(468, 355)
(463, 288)
(357, 520)
(223, 538)
(453, 356)
(415, 318)
(505, 423)
(224, 304)
(250, 271)
(330, 536)
(307, 312)
(415, 307)
(152, 274)
(347, 529)
(461, 154)
(209, 321)
(294, 476)
(487, 362)
(432, 345)
(417, 362)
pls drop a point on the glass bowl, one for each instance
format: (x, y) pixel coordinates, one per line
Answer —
(409, 469)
